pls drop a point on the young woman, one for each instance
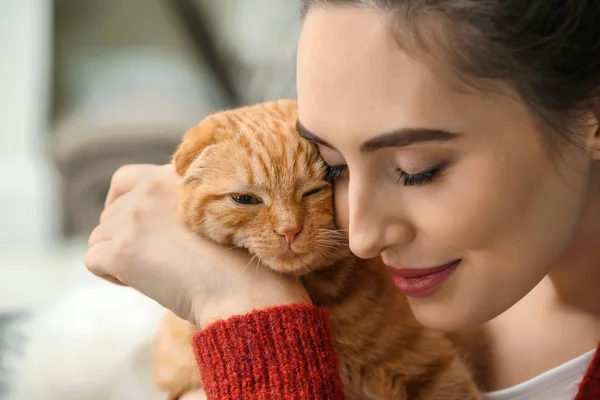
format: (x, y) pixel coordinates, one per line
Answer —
(467, 138)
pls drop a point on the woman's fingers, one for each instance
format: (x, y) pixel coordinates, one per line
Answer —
(97, 259)
(123, 180)
(129, 176)
(101, 259)
(112, 279)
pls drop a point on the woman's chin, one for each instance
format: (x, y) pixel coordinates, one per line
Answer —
(445, 309)
(445, 315)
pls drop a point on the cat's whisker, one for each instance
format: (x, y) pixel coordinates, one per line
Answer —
(334, 235)
(233, 247)
(258, 264)
(324, 245)
(326, 254)
(337, 229)
(322, 254)
(263, 243)
(303, 265)
(343, 243)
(192, 235)
(332, 230)
(331, 244)
(328, 249)
(246, 267)
(338, 240)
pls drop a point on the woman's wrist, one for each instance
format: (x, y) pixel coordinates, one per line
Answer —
(272, 291)
(233, 284)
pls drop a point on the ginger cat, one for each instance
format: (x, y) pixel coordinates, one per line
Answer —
(249, 180)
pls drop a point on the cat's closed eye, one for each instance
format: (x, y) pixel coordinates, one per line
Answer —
(246, 199)
(314, 191)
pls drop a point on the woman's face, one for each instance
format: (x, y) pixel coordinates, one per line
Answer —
(438, 175)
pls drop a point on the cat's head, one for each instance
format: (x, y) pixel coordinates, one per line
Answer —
(249, 180)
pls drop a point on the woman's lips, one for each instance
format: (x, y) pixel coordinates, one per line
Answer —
(422, 282)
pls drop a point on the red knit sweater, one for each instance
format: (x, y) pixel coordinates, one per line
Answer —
(287, 353)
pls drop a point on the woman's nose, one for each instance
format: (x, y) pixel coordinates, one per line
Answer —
(364, 243)
(375, 223)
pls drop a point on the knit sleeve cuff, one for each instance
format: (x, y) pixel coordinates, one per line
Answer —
(283, 352)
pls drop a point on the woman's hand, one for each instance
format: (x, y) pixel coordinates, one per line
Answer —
(140, 242)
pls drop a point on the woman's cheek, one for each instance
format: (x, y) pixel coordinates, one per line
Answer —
(340, 202)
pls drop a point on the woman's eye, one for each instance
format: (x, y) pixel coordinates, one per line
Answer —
(422, 178)
(246, 199)
(334, 171)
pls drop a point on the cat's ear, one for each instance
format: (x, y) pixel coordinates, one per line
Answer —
(194, 171)
(195, 142)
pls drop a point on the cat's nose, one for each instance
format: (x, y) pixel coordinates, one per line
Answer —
(289, 233)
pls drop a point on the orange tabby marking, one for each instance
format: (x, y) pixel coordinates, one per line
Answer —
(250, 181)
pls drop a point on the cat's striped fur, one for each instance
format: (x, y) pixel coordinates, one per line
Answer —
(256, 151)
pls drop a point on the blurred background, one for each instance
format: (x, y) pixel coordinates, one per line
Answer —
(85, 87)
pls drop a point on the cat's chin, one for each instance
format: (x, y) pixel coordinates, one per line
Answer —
(289, 263)
(297, 264)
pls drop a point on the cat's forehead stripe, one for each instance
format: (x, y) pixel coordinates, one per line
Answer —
(272, 153)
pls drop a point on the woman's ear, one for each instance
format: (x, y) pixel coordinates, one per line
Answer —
(594, 135)
(195, 142)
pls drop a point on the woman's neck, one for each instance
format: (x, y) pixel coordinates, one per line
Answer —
(536, 335)
(576, 277)
(559, 319)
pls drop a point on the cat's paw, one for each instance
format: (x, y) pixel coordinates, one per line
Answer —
(195, 395)
(175, 369)
(176, 380)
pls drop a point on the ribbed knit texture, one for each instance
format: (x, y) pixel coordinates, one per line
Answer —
(277, 353)
(589, 389)
(287, 353)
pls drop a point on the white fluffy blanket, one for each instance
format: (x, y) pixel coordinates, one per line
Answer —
(92, 343)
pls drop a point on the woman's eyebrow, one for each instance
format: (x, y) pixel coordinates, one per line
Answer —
(398, 138)
(405, 137)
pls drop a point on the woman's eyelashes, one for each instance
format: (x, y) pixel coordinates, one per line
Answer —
(422, 178)
(334, 171)
(428, 176)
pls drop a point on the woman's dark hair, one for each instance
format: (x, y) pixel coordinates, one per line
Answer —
(548, 50)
